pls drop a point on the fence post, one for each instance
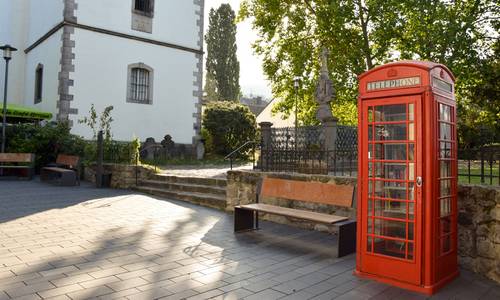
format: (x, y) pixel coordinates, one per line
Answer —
(330, 131)
(265, 131)
(100, 158)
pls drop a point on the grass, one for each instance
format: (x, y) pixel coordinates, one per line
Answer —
(475, 177)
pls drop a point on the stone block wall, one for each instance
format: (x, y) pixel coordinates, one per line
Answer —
(242, 185)
(479, 229)
(122, 175)
(478, 215)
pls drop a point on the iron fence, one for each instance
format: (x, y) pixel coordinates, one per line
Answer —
(479, 165)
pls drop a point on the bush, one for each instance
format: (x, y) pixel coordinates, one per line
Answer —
(46, 142)
(229, 125)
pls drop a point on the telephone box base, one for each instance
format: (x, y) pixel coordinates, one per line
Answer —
(427, 290)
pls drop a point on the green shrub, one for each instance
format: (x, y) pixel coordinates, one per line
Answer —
(46, 142)
(229, 125)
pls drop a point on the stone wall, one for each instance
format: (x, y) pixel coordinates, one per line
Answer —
(241, 189)
(122, 176)
(479, 229)
(478, 219)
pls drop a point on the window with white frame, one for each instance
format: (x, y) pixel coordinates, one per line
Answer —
(140, 84)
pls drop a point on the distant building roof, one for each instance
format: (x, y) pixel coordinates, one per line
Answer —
(277, 119)
(255, 104)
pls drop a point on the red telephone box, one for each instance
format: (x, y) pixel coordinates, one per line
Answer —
(407, 181)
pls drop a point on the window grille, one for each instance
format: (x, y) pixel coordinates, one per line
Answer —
(38, 83)
(144, 6)
(139, 85)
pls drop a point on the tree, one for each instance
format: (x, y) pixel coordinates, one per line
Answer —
(223, 68)
(229, 125)
(361, 34)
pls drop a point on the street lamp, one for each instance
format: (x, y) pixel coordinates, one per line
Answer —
(7, 55)
(296, 83)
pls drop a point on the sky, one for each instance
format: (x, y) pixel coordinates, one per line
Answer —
(252, 79)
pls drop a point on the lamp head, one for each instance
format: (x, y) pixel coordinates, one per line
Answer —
(7, 51)
(296, 82)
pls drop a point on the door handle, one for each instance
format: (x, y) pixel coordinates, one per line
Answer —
(419, 181)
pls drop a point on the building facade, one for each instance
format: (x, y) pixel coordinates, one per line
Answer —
(143, 57)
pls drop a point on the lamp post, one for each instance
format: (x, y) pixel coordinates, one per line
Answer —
(7, 55)
(296, 83)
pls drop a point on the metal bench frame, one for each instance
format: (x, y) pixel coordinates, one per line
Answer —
(66, 171)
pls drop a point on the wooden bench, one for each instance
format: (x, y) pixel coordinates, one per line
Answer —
(66, 170)
(18, 161)
(246, 217)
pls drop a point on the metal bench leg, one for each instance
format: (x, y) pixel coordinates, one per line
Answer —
(243, 219)
(346, 238)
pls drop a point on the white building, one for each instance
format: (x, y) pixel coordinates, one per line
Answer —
(144, 57)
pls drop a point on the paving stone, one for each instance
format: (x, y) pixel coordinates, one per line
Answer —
(265, 294)
(80, 240)
(206, 295)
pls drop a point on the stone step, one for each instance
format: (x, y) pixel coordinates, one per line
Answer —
(214, 201)
(191, 180)
(184, 187)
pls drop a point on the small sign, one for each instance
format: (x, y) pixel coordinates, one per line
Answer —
(442, 85)
(393, 83)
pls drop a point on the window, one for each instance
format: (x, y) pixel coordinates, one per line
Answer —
(140, 84)
(38, 83)
(145, 7)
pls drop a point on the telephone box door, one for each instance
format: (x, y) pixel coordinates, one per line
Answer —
(391, 198)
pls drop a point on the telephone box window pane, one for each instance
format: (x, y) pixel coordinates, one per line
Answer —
(445, 150)
(445, 225)
(393, 190)
(446, 244)
(369, 244)
(390, 132)
(411, 171)
(411, 231)
(386, 113)
(370, 169)
(390, 151)
(370, 132)
(411, 191)
(370, 225)
(390, 209)
(370, 207)
(410, 251)
(444, 207)
(411, 132)
(391, 170)
(411, 152)
(390, 248)
(445, 168)
(445, 188)
(390, 228)
(444, 131)
(370, 114)
(411, 210)
(444, 112)
(411, 109)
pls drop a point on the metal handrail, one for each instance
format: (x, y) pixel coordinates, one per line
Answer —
(138, 158)
(231, 155)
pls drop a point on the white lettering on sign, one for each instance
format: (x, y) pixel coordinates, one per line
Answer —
(393, 83)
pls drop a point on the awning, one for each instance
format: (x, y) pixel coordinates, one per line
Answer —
(24, 112)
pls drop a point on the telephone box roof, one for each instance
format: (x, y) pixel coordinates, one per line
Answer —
(426, 65)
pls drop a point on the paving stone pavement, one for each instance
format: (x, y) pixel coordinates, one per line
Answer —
(81, 242)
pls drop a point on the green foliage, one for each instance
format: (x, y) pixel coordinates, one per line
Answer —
(229, 126)
(46, 142)
(223, 68)
(135, 147)
(105, 121)
(362, 34)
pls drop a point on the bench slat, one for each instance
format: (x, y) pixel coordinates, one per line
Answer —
(60, 170)
(318, 192)
(16, 157)
(294, 213)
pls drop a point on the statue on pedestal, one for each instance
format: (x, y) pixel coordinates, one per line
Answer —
(325, 92)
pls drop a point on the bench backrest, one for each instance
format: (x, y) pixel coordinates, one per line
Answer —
(317, 192)
(17, 157)
(68, 160)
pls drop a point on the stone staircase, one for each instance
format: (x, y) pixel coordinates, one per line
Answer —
(209, 192)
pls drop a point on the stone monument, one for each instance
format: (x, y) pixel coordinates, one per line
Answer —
(325, 94)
